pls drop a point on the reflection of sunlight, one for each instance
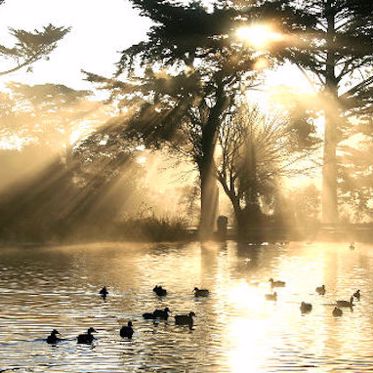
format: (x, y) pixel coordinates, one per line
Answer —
(245, 296)
(252, 345)
(259, 36)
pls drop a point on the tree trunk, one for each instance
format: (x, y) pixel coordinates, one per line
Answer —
(209, 201)
(207, 168)
(329, 188)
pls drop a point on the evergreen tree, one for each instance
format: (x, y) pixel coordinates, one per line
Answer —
(338, 51)
(185, 78)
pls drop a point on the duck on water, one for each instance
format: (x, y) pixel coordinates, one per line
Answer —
(277, 284)
(185, 319)
(86, 338)
(337, 312)
(160, 291)
(104, 292)
(157, 314)
(321, 290)
(305, 307)
(126, 331)
(201, 292)
(52, 338)
(345, 303)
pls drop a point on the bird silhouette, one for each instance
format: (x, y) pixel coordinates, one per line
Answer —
(126, 331)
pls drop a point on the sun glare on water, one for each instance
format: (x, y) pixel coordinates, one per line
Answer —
(249, 333)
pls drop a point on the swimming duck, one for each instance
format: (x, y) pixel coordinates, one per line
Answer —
(52, 338)
(162, 314)
(305, 307)
(104, 292)
(271, 296)
(337, 312)
(321, 290)
(277, 284)
(185, 319)
(352, 246)
(126, 331)
(86, 338)
(157, 314)
(201, 292)
(160, 291)
(345, 303)
(356, 294)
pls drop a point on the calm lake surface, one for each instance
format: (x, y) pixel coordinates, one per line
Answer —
(236, 329)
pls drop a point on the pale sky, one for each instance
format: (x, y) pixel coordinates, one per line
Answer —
(99, 30)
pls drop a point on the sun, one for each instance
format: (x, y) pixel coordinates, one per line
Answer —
(259, 36)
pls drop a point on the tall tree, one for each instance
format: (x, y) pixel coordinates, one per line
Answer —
(356, 173)
(200, 66)
(338, 51)
(185, 95)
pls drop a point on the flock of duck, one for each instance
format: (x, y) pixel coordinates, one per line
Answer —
(321, 290)
(127, 330)
(159, 314)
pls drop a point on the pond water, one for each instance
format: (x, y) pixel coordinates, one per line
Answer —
(236, 329)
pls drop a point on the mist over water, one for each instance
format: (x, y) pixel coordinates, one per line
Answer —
(236, 329)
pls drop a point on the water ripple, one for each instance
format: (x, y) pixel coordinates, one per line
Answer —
(236, 329)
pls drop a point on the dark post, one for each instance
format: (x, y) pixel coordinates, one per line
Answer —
(222, 223)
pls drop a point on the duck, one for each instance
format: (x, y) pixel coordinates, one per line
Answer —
(162, 314)
(337, 312)
(356, 294)
(352, 246)
(104, 292)
(160, 291)
(126, 331)
(157, 314)
(86, 338)
(185, 319)
(345, 303)
(52, 338)
(305, 307)
(201, 292)
(271, 296)
(277, 284)
(321, 290)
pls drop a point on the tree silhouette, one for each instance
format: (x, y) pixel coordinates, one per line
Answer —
(31, 46)
(180, 82)
(182, 107)
(256, 151)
